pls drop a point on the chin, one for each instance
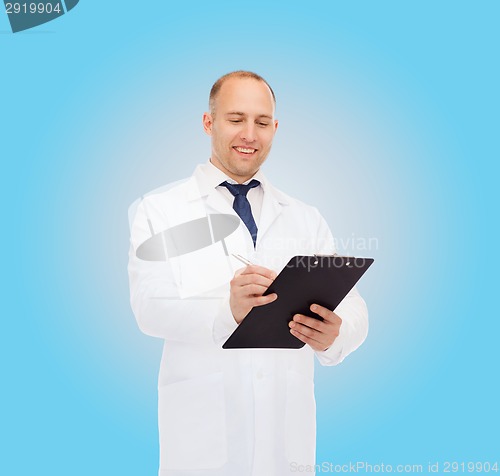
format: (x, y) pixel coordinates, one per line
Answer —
(246, 172)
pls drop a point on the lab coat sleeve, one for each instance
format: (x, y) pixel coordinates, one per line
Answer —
(155, 300)
(352, 310)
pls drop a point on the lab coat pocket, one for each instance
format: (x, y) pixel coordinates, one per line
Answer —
(192, 424)
(300, 420)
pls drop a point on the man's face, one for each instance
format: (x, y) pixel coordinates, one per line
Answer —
(242, 127)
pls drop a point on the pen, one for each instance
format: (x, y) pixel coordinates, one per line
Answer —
(243, 260)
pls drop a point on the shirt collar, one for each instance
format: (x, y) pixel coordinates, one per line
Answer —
(214, 177)
(209, 177)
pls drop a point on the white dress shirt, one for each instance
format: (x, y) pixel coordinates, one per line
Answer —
(255, 195)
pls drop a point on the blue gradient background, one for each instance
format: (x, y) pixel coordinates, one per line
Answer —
(389, 124)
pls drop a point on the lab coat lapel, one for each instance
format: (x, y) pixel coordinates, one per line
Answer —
(216, 203)
(212, 203)
(237, 242)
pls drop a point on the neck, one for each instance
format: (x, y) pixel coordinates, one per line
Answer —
(238, 178)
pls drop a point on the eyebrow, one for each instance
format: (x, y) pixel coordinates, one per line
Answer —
(237, 113)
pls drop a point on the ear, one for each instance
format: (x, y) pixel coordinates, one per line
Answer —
(275, 126)
(208, 123)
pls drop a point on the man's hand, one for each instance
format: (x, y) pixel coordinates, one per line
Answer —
(319, 334)
(247, 288)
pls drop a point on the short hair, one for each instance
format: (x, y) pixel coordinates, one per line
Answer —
(234, 74)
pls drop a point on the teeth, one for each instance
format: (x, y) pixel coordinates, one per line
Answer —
(245, 151)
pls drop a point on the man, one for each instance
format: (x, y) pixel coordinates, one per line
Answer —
(240, 411)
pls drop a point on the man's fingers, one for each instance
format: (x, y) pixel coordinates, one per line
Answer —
(319, 334)
(262, 300)
(247, 288)
(311, 322)
(239, 271)
(250, 290)
(325, 313)
(306, 330)
(315, 344)
(245, 279)
(255, 269)
(314, 328)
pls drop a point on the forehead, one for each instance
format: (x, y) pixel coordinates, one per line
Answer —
(245, 95)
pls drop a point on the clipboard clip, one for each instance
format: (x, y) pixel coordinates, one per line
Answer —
(335, 255)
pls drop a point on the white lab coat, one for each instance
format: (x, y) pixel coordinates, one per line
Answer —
(245, 412)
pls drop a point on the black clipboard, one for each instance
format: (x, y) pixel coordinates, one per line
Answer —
(320, 279)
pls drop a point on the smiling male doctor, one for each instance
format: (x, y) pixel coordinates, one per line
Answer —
(244, 412)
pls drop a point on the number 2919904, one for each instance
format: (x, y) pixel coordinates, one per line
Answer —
(33, 8)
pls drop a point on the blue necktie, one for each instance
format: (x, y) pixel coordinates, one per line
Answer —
(241, 205)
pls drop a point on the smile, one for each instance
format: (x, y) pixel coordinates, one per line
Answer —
(244, 150)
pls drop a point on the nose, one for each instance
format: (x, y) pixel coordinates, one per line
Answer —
(248, 132)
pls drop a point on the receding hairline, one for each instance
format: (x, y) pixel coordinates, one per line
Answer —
(234, 74)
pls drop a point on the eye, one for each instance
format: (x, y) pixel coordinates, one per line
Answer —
(263, 124)
(235, 121)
